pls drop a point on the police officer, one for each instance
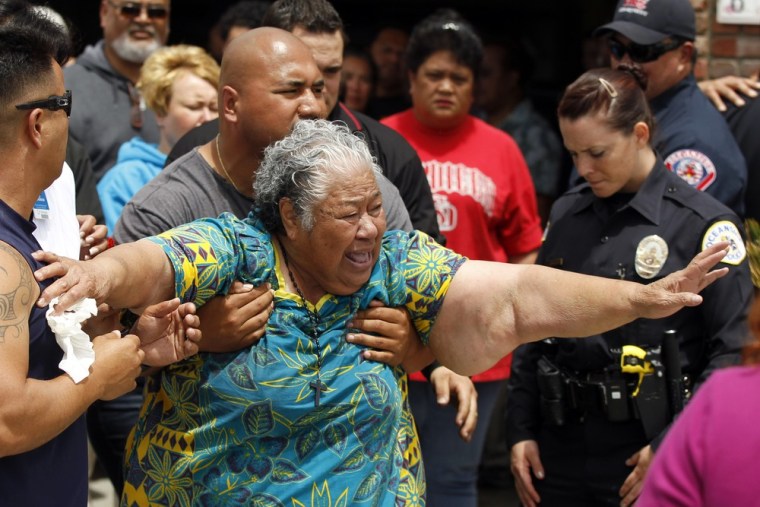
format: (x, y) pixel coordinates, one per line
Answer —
(658, 37)
(579, 427)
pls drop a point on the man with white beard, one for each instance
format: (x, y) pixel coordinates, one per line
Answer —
(109, 110)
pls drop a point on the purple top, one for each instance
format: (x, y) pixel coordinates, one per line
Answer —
(710, 455)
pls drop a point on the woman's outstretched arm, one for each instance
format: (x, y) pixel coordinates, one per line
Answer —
(501, 306)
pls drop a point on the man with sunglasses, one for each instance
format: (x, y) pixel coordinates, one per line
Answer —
(657, 36)
(106, 73)
(43, 446)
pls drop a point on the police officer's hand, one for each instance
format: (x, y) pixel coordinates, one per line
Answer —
(635, 481)
(526, 458)
(446, 382)
(729, 87)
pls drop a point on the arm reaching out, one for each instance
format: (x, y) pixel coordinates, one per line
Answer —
(132, 275)
(507, 305)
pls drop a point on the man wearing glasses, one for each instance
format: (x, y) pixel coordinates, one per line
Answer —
(657, 36)
(106, 73)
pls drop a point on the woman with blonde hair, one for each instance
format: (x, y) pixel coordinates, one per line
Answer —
(179, 84)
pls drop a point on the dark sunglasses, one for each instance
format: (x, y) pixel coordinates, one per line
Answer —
(52, 103)
(133, 10)
(642, 54)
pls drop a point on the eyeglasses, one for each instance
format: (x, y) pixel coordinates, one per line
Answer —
(52, 103)
(133, 10)
(642, 54)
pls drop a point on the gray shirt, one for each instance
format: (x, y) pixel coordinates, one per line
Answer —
(101, 119)
(189, 189)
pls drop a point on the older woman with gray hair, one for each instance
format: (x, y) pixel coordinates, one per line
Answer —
(299, 416)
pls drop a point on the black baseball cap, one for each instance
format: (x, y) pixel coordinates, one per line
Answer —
(648, 22)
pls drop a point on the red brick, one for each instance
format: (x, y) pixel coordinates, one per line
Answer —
(724, 46)
(720, 28)
(720, 68)
(748, 46)
(751, 30)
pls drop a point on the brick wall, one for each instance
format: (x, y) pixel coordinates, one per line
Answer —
(724, 49)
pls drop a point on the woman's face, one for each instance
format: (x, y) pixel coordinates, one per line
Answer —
(193, 102)
(357, 82)
(442, 91)
(609, 160)
(342, 247)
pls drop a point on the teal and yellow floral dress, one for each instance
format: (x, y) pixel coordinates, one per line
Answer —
(242, 428)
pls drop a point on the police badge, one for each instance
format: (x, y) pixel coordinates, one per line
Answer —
(651, 255)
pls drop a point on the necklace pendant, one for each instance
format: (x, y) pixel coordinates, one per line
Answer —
(318, 387)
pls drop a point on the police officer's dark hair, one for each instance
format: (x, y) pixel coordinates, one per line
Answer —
(28, 44)
(444, 30)
(246, 13)
(618, 93)
(315, 16)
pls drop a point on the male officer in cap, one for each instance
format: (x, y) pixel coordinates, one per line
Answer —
(657, 36)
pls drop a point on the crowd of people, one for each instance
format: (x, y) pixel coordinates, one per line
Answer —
(313, 260)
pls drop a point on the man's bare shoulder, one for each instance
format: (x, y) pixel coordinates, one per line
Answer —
(18, 292)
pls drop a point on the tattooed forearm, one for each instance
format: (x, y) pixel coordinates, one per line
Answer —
(17, 292)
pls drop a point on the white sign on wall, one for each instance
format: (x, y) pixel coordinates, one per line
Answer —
(739, 12)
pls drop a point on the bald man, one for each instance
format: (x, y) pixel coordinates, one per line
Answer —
(268, 81)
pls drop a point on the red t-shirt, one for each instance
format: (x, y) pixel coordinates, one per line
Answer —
(483, 193)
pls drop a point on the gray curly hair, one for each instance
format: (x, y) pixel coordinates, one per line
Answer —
(304, 166)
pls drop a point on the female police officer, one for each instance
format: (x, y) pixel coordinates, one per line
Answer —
(588, 432)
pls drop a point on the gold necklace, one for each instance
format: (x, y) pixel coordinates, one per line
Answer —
(224, 169)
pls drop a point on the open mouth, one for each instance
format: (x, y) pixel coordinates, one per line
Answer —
(360, 259)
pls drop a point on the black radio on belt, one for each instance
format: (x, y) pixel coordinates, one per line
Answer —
(615, 397)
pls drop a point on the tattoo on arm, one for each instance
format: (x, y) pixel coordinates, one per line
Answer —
(17, 293)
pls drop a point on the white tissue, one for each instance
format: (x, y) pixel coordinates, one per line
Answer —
(78, 355)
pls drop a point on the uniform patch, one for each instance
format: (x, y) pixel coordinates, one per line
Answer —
(692, 166)
(651, 255)
(726, 231)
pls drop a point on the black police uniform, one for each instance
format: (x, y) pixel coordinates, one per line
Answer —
(695, 142)
(584, 459)
(744, 123)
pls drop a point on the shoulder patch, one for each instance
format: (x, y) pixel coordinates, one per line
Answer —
(692, 166)
(724, 230)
